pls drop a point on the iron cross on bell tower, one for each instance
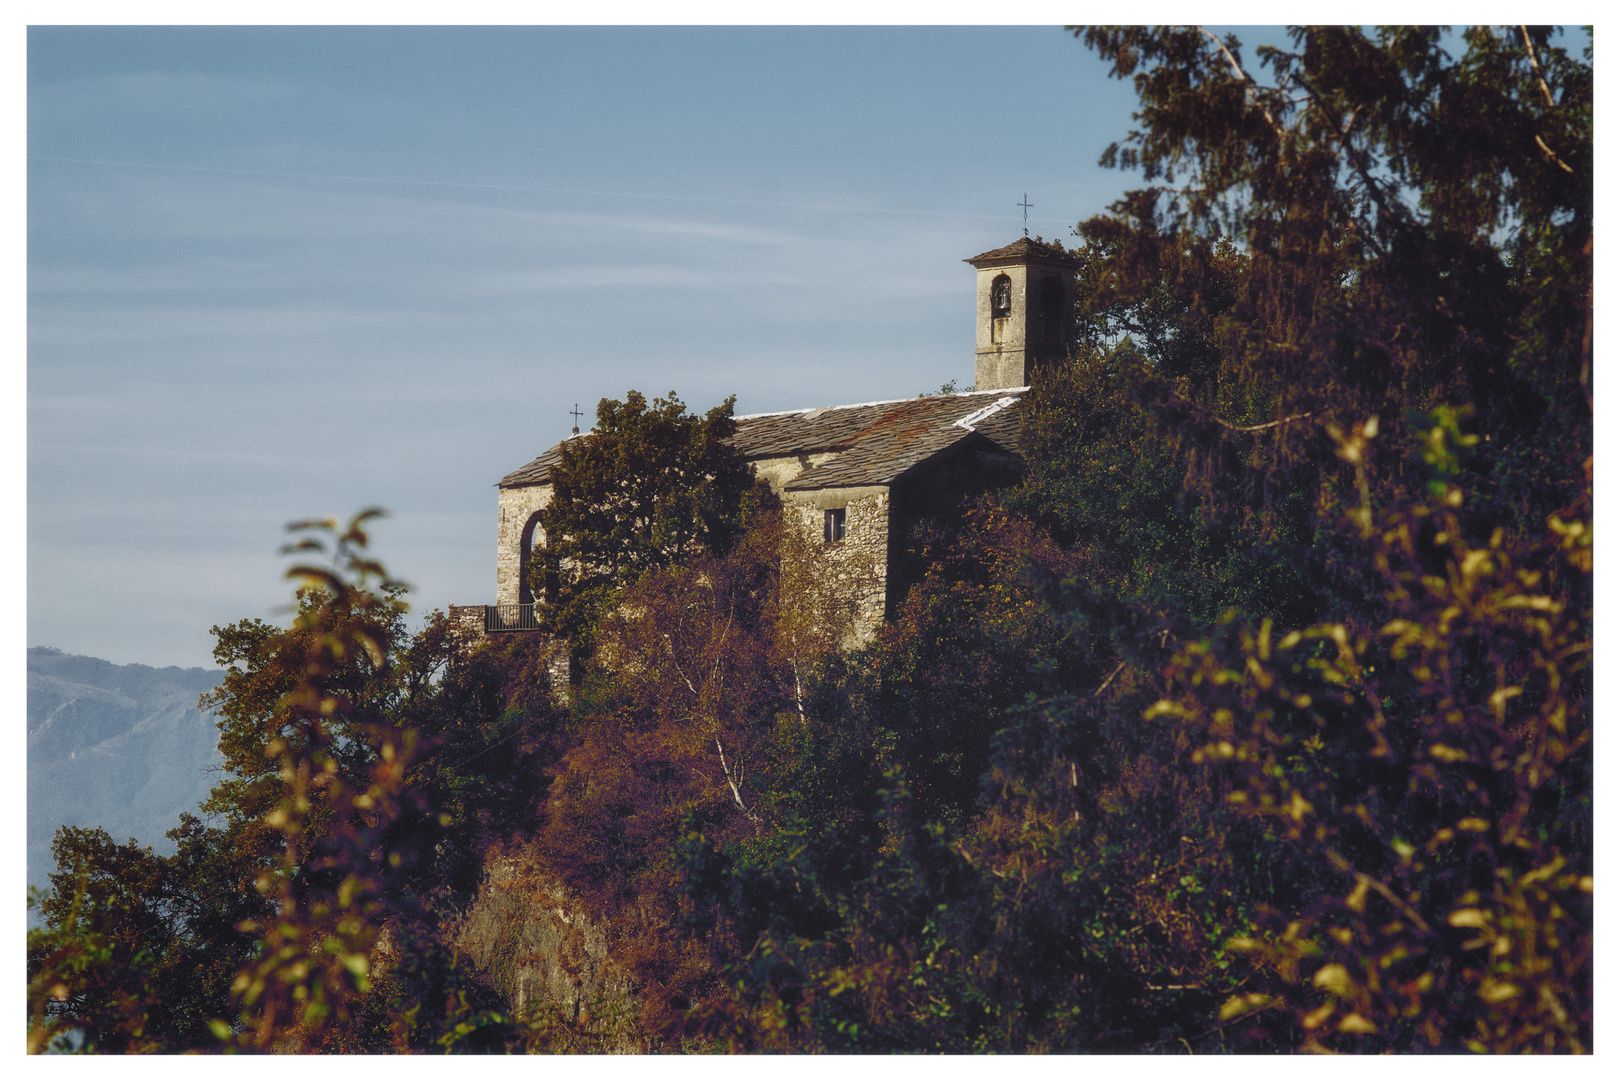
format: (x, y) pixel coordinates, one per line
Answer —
(1028, 206)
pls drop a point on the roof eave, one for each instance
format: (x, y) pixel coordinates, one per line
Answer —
(989, 262)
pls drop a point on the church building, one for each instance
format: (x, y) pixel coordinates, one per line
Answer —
(854, 479)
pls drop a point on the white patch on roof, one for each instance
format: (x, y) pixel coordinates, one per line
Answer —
(979, 415)
(892, 401)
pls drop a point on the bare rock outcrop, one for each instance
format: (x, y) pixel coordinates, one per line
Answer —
(531, 944)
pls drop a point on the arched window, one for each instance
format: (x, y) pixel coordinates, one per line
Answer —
(1001, 297)
(532, 546)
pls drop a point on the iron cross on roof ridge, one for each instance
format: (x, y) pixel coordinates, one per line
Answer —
(1027, 205)
(576, 414)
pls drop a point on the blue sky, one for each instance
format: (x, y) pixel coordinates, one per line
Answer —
(281, 273)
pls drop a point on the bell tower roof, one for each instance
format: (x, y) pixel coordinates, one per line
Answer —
(1023, 250)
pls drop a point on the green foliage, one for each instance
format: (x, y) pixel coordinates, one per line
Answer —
(1109, 488)
(339, 771)
(1432, 759)
(970, 641)
(283, 897)
(1352, 251)
(82, 994)
(691, 712)
(650, 486)
(138, 951)
(488, 727)
(1417, 235)
(1163, 298)
(372, 815)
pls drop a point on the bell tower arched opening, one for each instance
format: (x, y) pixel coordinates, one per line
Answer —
(531, 568)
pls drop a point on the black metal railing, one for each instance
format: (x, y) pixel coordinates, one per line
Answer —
(499, 618)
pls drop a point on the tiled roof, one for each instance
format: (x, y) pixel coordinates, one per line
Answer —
(1024, 248)
(875, 442)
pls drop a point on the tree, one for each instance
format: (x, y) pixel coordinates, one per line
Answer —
(361, 781)
(650, 486)
(1432, 758)
(969, 642)
(362, 810)
(676, 724)
(1417, 231)
(138, 951)
(1258, 717)
(333, 770)
(1340, 275)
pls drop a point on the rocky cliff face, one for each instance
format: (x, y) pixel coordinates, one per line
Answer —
(119, 746)
(533, 946)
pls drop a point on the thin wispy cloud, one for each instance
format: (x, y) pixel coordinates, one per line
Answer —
(134, 325)
(282, 273)
(180, 453)
(611, 276)
(825, 207)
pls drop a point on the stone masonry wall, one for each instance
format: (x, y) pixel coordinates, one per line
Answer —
(518, 506)
(853, 570)
(1008, 350)
(779, 470)
(467, 622)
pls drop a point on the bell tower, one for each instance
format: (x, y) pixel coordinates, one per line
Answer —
(1026, 311)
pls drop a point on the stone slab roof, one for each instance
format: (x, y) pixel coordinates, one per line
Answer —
(875, 442)
(537, 471)
(1021, 249)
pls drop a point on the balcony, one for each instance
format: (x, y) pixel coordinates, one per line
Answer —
(494, 618)
(507, 618)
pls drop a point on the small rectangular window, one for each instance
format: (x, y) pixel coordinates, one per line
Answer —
(834, 530)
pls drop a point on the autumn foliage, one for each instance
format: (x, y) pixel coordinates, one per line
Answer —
(1256, 718)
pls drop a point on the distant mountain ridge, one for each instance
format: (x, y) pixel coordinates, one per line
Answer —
(119, 746)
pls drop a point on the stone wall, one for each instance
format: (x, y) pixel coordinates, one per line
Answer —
(518, 509)
(467, 622)
(777, 471)
(1010, 348)
(849, 576)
